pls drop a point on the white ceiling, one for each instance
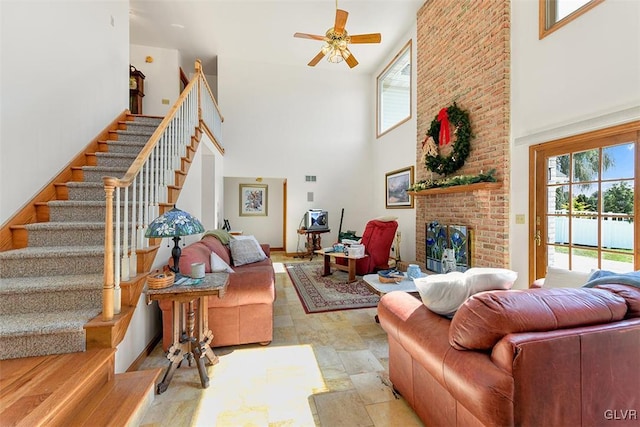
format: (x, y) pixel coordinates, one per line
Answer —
(262, 30)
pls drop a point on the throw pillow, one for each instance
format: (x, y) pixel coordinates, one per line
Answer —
(445, 293)
(218, 264)
(562, 278)
(246, 251)
(489, 279)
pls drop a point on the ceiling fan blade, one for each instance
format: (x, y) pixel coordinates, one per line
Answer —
(308, 36)
(316, 59)
(351, 60)
(341, 21)
(366, 38)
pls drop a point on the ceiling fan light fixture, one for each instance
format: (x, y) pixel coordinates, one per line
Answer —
(335, 57)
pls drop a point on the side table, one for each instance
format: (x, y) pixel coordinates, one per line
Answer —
(185, 344)
(314, 241)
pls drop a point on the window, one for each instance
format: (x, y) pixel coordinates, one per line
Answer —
(586, 202)
(394, 92)
(556, 13)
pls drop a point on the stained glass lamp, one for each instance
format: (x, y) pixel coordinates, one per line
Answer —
(174, 223)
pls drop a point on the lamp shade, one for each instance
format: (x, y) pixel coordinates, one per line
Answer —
(174, 223)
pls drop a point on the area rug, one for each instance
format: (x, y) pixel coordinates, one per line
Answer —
(331, 293)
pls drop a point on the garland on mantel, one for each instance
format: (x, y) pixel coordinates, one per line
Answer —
(427, 184)
(439, 134)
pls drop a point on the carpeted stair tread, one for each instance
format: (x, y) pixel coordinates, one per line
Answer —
(71, 226)
(110, 169)
(45, 323)
(48, 251)
(10, 285)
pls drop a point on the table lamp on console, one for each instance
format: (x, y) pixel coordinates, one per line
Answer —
(174, 223)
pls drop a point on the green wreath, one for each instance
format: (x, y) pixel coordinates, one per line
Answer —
(459, 119)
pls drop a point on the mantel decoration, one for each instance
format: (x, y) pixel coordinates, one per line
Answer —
(427, 184)
(440, 134)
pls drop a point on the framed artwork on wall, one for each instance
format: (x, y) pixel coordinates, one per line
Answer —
(253, 199)
(396, 185)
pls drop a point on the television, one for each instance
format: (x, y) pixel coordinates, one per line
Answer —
(316, 219)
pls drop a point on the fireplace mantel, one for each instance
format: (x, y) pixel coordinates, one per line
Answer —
(479, 186)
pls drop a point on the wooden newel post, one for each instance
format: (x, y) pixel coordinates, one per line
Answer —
(199, 76)
(108, 285)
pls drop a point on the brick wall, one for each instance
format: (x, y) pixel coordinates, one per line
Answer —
(463, 56)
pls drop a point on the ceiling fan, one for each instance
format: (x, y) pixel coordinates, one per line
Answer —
(336, 40)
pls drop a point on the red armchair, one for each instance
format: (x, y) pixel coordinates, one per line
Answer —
(377, 240)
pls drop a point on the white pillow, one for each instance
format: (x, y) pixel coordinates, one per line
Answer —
(489, 279)
(445, 293)
(563, 278)
(218, 264)
(246, 251)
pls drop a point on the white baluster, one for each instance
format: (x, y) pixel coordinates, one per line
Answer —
(133, 259)
(125, 238)
(116, 257)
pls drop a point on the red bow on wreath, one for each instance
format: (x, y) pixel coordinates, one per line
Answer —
(445, 134)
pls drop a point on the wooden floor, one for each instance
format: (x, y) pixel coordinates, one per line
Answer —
(71, 389)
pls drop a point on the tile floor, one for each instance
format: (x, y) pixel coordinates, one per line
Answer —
(325, 369)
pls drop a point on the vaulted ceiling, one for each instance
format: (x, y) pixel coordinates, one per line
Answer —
(262, 30)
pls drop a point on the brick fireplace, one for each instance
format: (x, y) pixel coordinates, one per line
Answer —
(463, 52)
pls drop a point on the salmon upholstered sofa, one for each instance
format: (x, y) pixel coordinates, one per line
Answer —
(534, 357)
(245, 314)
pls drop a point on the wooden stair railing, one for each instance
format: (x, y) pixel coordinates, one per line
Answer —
(152, 178)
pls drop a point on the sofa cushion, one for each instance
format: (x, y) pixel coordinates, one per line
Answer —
(488, 316)
(194, 253)
(216, 246)
(246, 251)
(630, 294)
(254, 285)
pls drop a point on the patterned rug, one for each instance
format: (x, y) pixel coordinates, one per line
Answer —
(331, 293)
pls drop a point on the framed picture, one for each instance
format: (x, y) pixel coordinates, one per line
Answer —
(253, 199)
(396, 185)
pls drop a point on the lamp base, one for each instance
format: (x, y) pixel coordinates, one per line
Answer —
(175, 254)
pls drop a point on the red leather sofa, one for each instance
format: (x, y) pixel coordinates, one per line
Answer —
(245, 314)
(535, 357)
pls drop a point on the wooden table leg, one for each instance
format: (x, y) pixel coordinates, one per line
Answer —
(206, 336)
(352, 270)
(327, 265)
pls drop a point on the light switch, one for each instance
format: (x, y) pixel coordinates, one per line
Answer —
(165, 101)
(520, 218)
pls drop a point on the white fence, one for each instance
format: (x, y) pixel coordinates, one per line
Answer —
(615, 234)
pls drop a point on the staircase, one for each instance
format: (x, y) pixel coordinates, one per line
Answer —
(52, 287)
(60, 267)
(51, 295)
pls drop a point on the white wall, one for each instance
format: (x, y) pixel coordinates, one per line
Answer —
(396, 150)
(293, 121)
(64, 77)
(266, 229)
(146, 322)
(582, 77)
(162, 77)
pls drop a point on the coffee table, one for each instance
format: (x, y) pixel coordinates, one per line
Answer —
(351, 265)
(377, 287)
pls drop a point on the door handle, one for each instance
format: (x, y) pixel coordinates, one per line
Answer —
(538, 238)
